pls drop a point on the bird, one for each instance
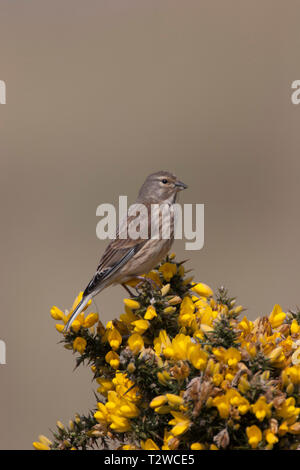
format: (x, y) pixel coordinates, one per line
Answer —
(128, 257)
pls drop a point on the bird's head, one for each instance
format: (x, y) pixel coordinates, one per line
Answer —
(160, 186)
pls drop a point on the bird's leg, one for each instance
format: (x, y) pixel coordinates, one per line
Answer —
(128, 290)
(97, 310)
(150, 281)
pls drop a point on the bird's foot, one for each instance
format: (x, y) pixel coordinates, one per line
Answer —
(148, 280)
(128, 290)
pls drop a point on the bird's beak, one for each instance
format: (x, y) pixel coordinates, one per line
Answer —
(180, 185)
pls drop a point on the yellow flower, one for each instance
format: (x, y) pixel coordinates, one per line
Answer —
(105, 385)
(149, 445)
(232, 356)
(186, 314)
(155, 277)
(79, 344)
(136, 343)
(90, 320)
(59, 327)
(169, 310)
(40, 446)
(174, 400)
(164, 290)
(261, 408)
(102, 415)
(60, 425)
(158, 401)
(203, 290)
(283, 428)
(128, 409)
(218, 379)
(219, 353)
(162, 410)
(161, 342)
(168, 270)
(277, 316)
(179, 347)
(287, 409)
(244, 384)
(237, 400)
(163, 377)
(223, 405)
(277, 357)
(294, 374)
(197, 356)
(112, 359)
(58, 314)
(114, 338)
(295, 328)
(181, 423)
(119, 423)
(150, 313)
(140, 326)
(43, 444)
(125, 386)
(197, 446)
(250, 348)
(254, 435)
(245, 325)
(270, 437)
(133, 304)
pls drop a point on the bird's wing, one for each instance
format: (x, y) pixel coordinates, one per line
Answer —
(120, 251)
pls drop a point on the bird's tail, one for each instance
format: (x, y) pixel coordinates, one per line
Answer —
(77, 311)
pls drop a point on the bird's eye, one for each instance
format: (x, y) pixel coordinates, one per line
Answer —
(164, 181)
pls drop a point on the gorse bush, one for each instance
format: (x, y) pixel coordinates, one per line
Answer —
(180, 370)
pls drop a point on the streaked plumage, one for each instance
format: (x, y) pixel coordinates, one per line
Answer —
(127, 258)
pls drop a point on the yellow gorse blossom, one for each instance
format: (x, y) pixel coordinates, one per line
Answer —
(140, 326)
(149, 444)
(114, 338)
(168, 270)
(132, 304)
(254, 436)
(180, 423)
(150, 313)
(203, 290)
(79, 344)
(136, 343)
(112, 358)
(277, 316)
(43, 443)
(261, 408)
(180, 370)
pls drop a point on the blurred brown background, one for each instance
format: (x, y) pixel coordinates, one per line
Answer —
(101, 93)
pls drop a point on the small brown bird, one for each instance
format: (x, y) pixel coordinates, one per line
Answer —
(127, 257)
